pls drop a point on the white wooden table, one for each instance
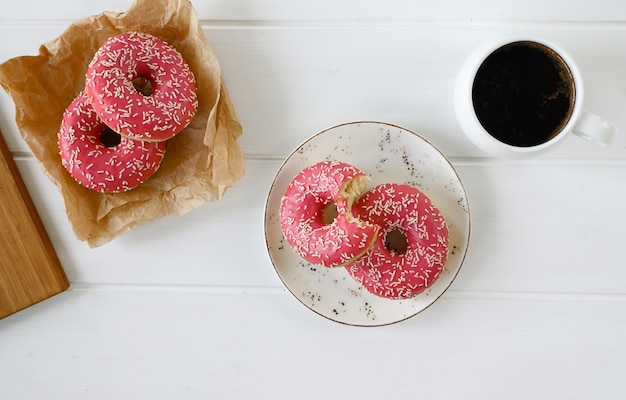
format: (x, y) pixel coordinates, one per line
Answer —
(190, 307)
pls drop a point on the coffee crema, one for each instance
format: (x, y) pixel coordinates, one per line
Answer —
(523, 94)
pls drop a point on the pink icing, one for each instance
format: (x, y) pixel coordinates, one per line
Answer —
(301, 210)
(96, 166)
(396, 275)
(109, 85)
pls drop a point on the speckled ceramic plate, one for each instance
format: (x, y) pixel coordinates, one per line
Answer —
(387, 153)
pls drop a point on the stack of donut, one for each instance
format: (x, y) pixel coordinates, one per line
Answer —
(139, 93)
(391, 239)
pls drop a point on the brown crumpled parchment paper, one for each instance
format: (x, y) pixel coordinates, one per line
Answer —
(200, 163)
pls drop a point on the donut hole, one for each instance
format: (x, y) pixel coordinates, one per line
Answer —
(396, 241)
(329, 213)
(110, 138)
(143, 85)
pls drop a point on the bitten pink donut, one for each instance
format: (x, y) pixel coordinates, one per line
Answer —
(100, 159)
(412, 248)
(141, 87)
(307, 198)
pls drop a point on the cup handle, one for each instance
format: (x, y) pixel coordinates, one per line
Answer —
(594, 128)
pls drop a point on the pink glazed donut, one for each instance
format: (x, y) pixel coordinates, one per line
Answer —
(316, 238)
(141, 87)
(411, 250)
(99, 158)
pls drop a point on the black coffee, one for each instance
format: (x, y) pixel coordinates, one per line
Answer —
(523, 94)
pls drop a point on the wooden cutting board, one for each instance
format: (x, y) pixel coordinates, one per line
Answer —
(30, 270)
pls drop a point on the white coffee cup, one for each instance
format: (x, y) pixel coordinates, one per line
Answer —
(473, 114)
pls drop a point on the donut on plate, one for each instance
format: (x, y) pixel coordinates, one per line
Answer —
(412, 248)
(99, 158)
(310, 225)
(141, 87)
